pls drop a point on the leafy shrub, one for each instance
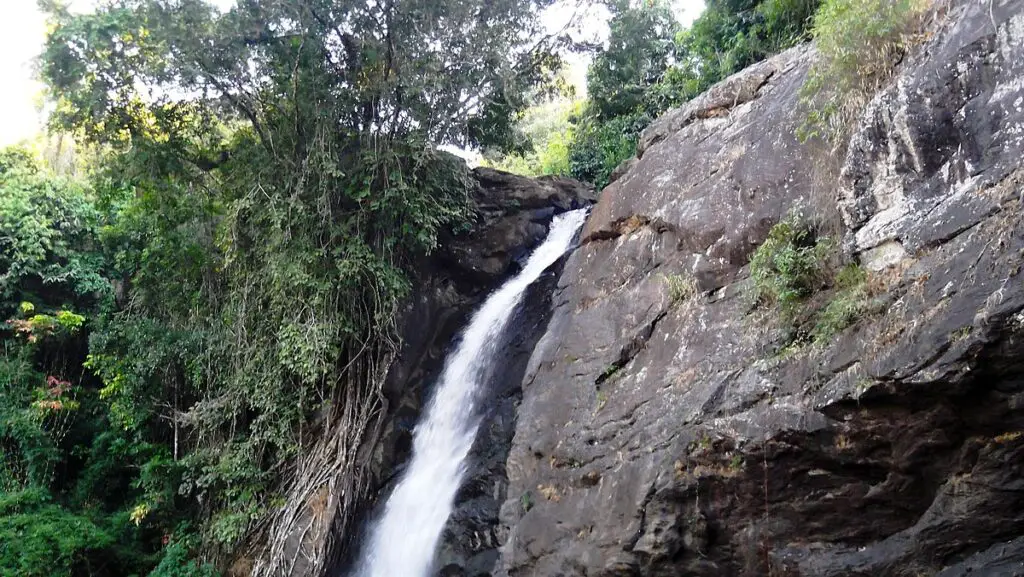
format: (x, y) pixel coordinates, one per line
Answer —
(599, 147)
(850, 302)
(790, 265)
(40, 539)
(859, 42)
(177, 562)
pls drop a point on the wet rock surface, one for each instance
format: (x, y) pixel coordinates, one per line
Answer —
(662, 436)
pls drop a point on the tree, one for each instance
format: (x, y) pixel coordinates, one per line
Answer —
(729, 36)
(619, 84)
(273, 170)
(639, 50)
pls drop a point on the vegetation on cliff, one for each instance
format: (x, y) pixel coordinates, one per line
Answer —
(651, 64)
(627, 91)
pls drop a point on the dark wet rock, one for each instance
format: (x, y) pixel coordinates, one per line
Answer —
(661, 437)
(512, 216)
(1000, 559)
(470, 542)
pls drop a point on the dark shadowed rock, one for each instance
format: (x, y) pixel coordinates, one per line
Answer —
(512, 216)
(661, 437)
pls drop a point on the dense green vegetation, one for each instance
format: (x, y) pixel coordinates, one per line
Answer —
(549, 132)
(232, 260)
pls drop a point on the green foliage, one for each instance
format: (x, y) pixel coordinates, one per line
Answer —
(790, 265)
(48, 229)
(961, 333)
(850, 302)
(41, 539)
(526, 501)
(606, 131)
(599, 147)
(610, 371)
(729, 36)
(859, 43)
(177, 561)
(37, 407)
(28, 453)
(550, 133)
(638, 52)
(681, 287)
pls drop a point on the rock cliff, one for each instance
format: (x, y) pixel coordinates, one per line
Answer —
(667, 436)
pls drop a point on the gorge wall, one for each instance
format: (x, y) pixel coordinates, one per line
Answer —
(666, 436)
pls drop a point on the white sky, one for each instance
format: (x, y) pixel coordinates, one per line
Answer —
(23, 29)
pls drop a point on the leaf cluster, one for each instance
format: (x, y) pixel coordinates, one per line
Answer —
(789, 265)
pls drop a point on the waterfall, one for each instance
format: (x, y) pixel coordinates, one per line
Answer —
(404, 540)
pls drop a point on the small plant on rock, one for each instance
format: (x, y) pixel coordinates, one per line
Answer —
(790, 265)
(681, 287)
(526, 501)
(849, 304)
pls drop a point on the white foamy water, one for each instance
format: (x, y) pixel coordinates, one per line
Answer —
(403, 542)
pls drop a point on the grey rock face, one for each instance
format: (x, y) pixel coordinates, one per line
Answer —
(716, 174)
(661, 438)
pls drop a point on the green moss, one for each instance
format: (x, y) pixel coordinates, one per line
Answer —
(609, 372)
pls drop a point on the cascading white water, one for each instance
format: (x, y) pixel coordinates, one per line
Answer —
(403, 542)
